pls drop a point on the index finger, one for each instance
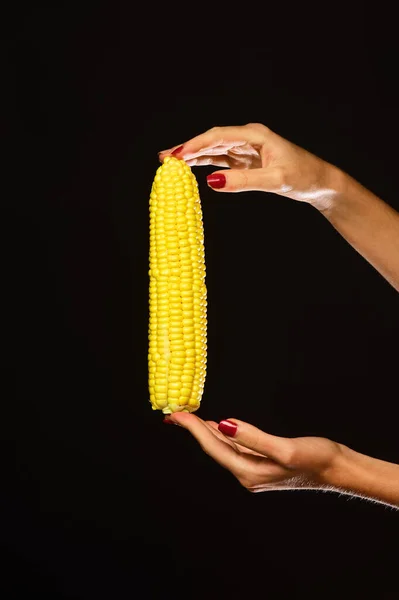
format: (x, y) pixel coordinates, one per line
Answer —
(215, 140)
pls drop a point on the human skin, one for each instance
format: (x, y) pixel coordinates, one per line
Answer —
(256, 158)
(259, 159)
(262, 462)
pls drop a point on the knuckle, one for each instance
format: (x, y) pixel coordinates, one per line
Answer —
(282, 176)
(241, 180)
(282, 180)
(289, 456)
(255, 442)
(258, 127)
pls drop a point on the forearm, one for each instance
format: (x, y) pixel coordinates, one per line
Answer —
(370, 225)
(360, 475)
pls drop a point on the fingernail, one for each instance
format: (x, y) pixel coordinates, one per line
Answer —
(170, 422)
(228, 428)
(177, 150)
(216, 181)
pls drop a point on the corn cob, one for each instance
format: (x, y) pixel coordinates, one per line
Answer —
(177, 305)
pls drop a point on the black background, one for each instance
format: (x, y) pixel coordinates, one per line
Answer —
(99, 499)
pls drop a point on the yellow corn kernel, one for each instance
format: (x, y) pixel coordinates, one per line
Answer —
(177, 292)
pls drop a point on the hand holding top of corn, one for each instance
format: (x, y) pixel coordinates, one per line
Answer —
(258, 159)
(177, 307)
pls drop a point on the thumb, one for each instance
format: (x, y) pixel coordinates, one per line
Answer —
(240, 180)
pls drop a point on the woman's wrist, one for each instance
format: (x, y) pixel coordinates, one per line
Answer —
(356, 474)
(332, 189)
(365, 221)
(348, 200)
(347, 196)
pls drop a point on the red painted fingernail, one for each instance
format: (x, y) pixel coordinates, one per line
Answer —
(170, 422)
(228, 428)
(216, 181)
(177, 150)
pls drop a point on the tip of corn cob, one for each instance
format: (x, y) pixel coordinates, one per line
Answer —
(177, 324)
